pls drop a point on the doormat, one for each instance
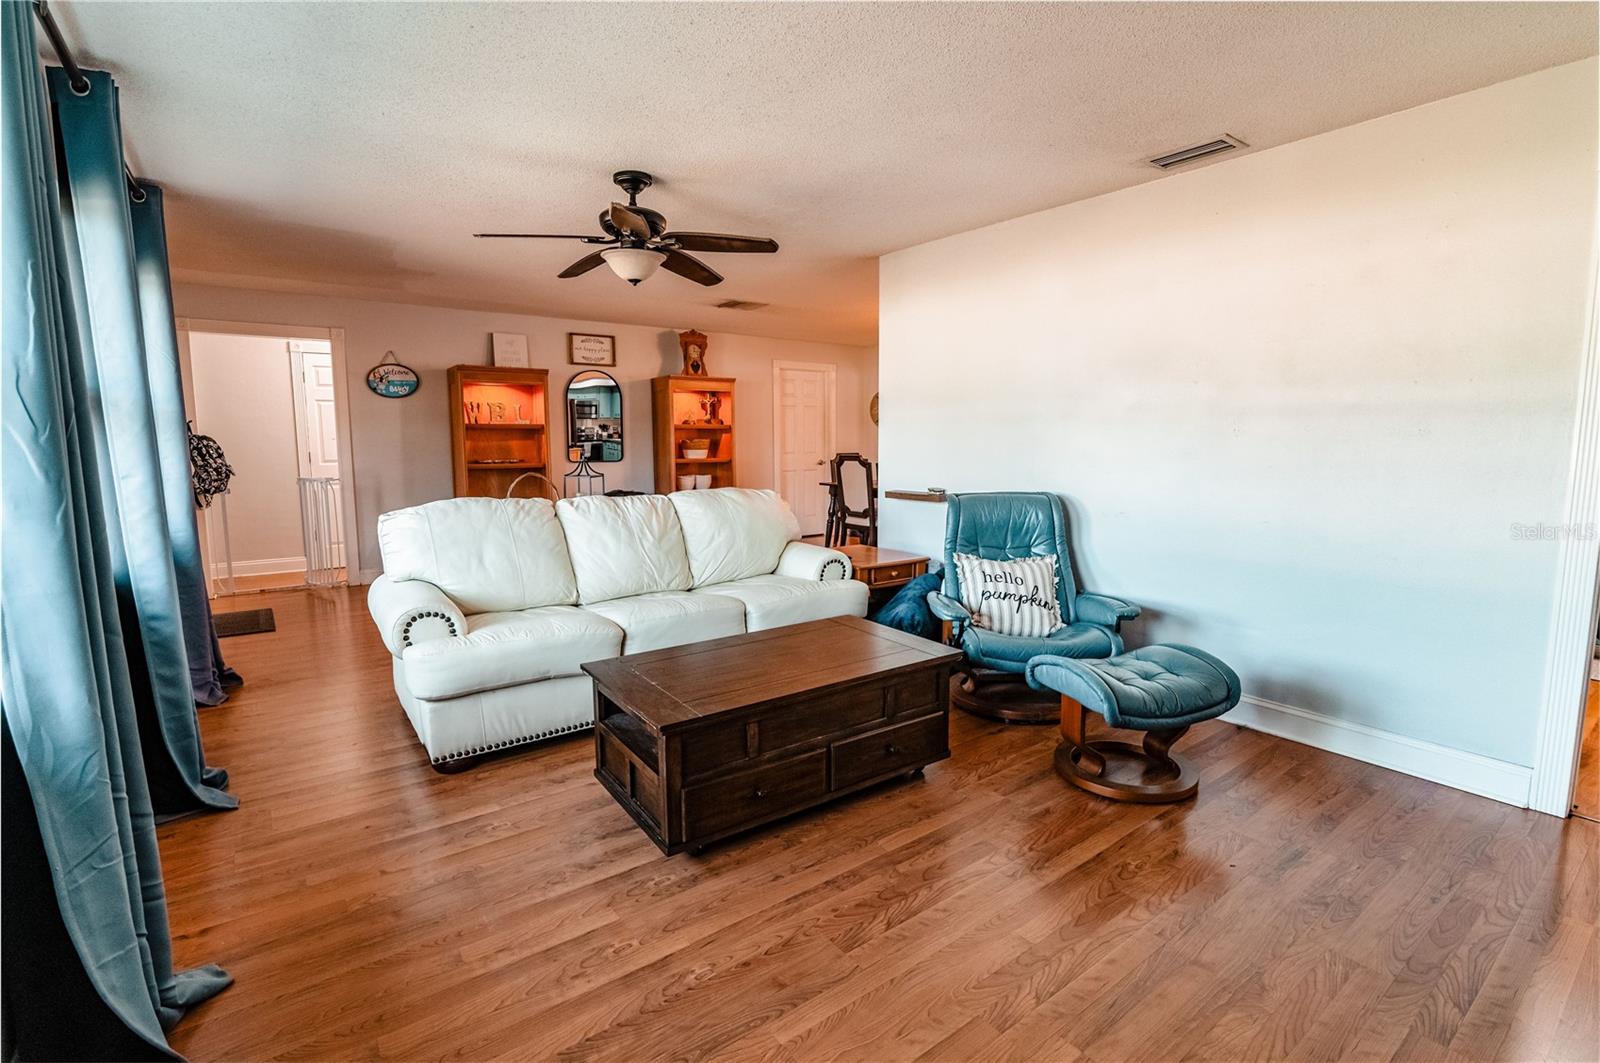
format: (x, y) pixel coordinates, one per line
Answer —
(244, 622)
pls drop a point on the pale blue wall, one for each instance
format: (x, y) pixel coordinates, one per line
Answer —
(1296, 401)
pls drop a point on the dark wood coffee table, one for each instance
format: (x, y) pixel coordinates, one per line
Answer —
(702, 741)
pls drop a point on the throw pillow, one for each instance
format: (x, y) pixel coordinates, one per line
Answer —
(1011, 597)
(908, 610)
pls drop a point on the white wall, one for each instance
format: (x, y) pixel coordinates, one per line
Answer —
(1296, 401)
(401, 447)
(244, 400)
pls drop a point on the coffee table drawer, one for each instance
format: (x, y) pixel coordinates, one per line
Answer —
(918, 694)
(715, 746)
(890, 749)
(820, 717)
(750, 797)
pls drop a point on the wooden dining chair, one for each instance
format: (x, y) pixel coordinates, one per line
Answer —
(852, 500)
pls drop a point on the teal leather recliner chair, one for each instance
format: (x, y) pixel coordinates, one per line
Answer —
(1004, 526)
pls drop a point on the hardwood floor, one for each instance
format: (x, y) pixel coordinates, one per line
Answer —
(1305, 907)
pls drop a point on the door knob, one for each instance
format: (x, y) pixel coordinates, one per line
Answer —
(821, 462)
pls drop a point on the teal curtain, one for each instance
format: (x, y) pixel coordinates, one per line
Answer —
(208, 674)
(91, 644)
(117, 400)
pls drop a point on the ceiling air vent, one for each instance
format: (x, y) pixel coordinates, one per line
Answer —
(741, 304)
(1198, 152)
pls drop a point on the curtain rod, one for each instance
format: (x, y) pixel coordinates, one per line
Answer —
(75, 78)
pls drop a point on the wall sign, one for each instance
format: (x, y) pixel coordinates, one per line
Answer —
(509, 349)
(585, 349)
(391, 380)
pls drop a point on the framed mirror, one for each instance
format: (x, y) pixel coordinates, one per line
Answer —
(594, 417)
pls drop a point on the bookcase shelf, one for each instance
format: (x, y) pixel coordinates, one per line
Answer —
(683, 408)
(479, 449)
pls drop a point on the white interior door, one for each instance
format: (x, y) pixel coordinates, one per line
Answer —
(803, 420)
(316, 424)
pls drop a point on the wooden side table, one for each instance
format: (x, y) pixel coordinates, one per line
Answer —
(882, 569)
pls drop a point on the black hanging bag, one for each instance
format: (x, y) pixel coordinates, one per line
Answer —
(209, 466)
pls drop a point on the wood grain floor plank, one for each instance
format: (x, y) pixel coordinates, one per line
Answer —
(1305, 907)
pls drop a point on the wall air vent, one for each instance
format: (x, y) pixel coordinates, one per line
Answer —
(741, 304)
(1198, 152)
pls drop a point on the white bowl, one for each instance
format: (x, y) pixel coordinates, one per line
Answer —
(696, 455)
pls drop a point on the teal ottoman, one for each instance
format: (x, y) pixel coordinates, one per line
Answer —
(1161, 690)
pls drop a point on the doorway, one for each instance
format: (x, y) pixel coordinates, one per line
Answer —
(804, 425)
(272, 399)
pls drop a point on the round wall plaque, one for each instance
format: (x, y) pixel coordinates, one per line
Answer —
(391, 380)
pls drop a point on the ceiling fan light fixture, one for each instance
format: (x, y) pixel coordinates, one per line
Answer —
(633, 264)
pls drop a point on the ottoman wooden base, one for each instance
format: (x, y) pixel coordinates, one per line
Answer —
(1147, 774)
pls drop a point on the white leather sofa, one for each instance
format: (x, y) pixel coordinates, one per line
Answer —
(489, 606)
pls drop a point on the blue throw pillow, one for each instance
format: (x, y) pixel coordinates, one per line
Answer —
(908, 610)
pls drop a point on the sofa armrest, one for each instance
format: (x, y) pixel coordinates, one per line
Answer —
(411, 611)
(1104, 610)
(806, 561)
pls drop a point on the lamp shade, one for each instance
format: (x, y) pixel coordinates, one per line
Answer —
(632, 264)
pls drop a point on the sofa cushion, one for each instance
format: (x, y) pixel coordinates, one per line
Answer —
(507, 648)
(733, 532)
(671, 618)
(623, 546)
(774, 601)
(487, 554)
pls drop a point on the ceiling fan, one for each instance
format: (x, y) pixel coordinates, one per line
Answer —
(637, 240)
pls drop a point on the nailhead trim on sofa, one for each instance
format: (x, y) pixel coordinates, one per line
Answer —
(491, 747)
(843, 572)
(405, 632)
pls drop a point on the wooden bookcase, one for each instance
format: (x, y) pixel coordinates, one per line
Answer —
(679, 407)
(486, 454)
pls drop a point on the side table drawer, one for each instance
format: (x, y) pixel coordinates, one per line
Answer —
(888, 575)
(719, 805)
(890, 749)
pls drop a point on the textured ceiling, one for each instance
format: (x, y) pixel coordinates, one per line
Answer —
(352, 148)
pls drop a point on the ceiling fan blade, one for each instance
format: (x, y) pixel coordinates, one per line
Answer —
(758, 245)
(689, 266)
(541, 236)
(628, 222)
(583, 265)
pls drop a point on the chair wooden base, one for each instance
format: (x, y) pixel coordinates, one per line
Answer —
(1003, 696)
(1120, 771)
